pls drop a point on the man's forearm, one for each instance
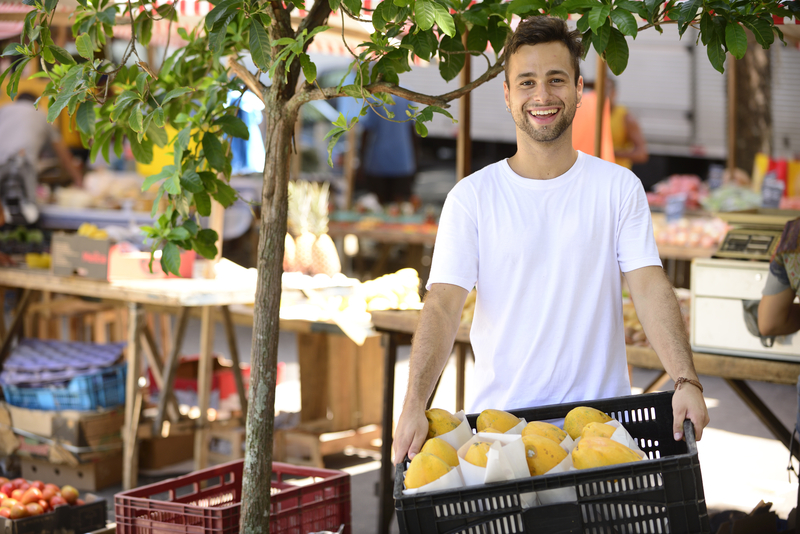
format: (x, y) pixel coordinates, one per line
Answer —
(433, 342)
(660, 315)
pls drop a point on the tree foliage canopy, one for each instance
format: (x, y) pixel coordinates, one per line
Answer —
(113, 102)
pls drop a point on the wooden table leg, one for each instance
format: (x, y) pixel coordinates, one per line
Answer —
(230, 331)
(156, 364)
(765, 415)
(204, 371)
(461, 371)
(385, 484)
(130, 469)
(16, 323)
(656, 384)
(171, 367)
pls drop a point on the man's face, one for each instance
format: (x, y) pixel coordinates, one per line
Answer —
(541, 90)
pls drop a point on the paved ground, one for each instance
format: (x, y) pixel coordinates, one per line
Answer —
(740, 461)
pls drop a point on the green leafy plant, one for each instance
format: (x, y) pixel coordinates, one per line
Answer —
(183, 106)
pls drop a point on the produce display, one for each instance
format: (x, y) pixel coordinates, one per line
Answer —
(20, 498)
(703, 232)
(450, 455)
(634, 332)
(312, 250)
(688, 185)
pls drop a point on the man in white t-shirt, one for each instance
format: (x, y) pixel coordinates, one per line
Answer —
(543, 236)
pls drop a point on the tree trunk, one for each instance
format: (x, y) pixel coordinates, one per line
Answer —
(753, 116)
(255, 498)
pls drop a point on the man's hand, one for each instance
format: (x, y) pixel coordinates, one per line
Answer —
(688, 403)
(410, 434)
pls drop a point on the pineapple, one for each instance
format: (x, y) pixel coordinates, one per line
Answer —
(289, 254)
(324, 256)
(299, 221)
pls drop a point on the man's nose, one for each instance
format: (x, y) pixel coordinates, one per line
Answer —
(541, 93)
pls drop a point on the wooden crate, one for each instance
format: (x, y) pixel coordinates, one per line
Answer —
(308, 447)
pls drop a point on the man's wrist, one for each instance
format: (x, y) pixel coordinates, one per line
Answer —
(681, 380)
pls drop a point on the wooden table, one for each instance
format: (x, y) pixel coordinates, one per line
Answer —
(180, 294)
(399, 326)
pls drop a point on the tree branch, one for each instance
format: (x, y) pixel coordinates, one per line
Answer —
(309, 93)
(318, 16)
(249, 80)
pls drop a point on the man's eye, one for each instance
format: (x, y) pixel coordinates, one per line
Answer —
(527, 82)
(557, 80)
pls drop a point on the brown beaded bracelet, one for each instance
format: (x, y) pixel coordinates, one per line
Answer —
(682, 379)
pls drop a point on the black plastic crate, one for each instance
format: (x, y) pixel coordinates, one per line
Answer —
(660, 495)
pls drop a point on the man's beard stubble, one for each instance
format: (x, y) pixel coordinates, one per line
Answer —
(547, 133)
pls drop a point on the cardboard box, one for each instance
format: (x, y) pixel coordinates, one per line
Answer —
(79, 255)
(157, 453)
(91, 476)
(63, 520)
(133, 264)
(80, 429)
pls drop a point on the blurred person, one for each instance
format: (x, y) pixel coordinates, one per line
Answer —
(25, 132)
(629, 145)
(583, 126)
(388, 153)
(778, 313)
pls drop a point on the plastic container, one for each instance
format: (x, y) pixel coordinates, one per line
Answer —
(103, 389)
(660, 495)
(64, 519)
(208, 502)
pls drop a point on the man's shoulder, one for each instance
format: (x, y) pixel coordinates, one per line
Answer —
(610, 173)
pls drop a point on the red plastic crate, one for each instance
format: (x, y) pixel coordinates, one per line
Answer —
(207, 502)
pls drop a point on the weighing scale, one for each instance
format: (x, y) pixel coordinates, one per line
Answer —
(754, 234)
(724, 285)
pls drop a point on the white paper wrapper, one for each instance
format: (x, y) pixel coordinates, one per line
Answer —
(518, 428)
(622, 436)
(559, 495)
(451, 480)
(505, 461)
(461, 434)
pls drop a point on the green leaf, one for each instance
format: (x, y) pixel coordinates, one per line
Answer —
(84, 118)
(601, 37)
(154, 133)
(85, 46)
(477, 39)
(524, 7)
(220, 11)
(213, 151)
(171, 258)
(422, 43)
(706, 27)
(617, 52)
(191, 181)
(232, 125)
(574, 5)
(309, 68)
(175, 93)
(50, 5)
(598, 16)
(146, 30)
(716, 54)
(166, 172)
(425, 14)
(158, 117)
(736, 39)
(179, 233)
(13, 49)
(583, 25)
(444, 20)
(203, 204)
(172, 184)
(61, 55)
(108, 15)
(625, 22)
(333, 137)
(141, 81)
(204, 245)
(184, 136)
(118, 144)
(191, 227)
(225, 194)
(260, 47)
(353, 5)
(334, 5)
(762, 30)
(142, 151)
(451, 64)
(422, 130)
(135, 120)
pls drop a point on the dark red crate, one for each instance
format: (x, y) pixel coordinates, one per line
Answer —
(208, 502)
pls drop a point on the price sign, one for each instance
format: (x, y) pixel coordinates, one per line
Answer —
(771, 191)
(674, 207)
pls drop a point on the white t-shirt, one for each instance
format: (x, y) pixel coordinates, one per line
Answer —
(545, 256)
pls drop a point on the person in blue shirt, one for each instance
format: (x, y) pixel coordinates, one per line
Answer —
(388, 153)
(778, 313)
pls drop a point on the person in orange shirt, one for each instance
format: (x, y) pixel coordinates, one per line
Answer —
(629, 144)
(583, 126)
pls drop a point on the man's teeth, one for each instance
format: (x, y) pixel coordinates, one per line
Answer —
(544, 112)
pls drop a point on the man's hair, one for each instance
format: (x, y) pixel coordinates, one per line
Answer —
(27, 97)
(543, 29)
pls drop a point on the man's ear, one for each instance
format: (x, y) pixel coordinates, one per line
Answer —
(580, 89)
(505, 93)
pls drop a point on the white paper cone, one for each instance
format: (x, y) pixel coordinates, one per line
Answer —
(451, 480)
(559, 495)
(461, 434)
(622, 436)
(518, 428)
